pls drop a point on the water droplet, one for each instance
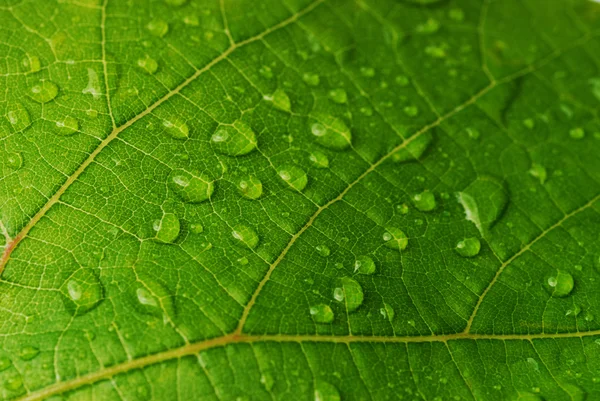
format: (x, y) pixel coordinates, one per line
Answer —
(93, 86)
(68, 126)
(150, 297)
(18, 116)
(148, 64)
(529, 123)
(435, 51)
(473, 133)
(31, 63)
(367, 72)
(338, 95)
(294, 176)
(484, 201)
(266, 72)
(234, 140)
(339, 266)
(167, 228)
(364, 265)
(14, 160)
(323, 250)
(402, 80)
(158, 28)
(267, 381)
(331, 132)
(250, 187)
(82, 292)
(43, 91)
(560, 284)
(351, 292)
(411, 111)
(468, 247)
(367, 111)
(28, 352)
(245, 235)
(311, 79)
(429, 27)
(414, 149)
(319, 159)
(456, 14)
(196, 228)
(395, 239)
(5, 363)
(387, 312)
(91, 113)
(577, 133)
(538, 172)
(425, 201)
(280, 100)
(176, 128)
(321, 313)
(326, 392)
(14, 383)
(191, 188)
(575, 310)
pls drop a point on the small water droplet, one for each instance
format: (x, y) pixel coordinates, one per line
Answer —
(234, 140)
(529, 123)
(435, 51)
(150, 297)
(560, 284)
(414, 149)
(158, 28)
(323, 250)
(326, 392)
(429, 27)
(43, 91)
(311, 79)
(367, 72)
(28, 352)
(538, 172)
(339, 266)
(321, 313)
(351, 292)
(31, 63)
(411, 111)
(468, 247)
(319, 159)
(456, 14)
(364, 265)
(280, 100)
(245, 235)
(588, 316)
(82, 292)
(91, 113)
(402, 209)
(294, 176)
(14, 160)
(577, 133)
(14, 383)
(267, 380)
(196, 228)
(425, 201)
(250, 187)
(166, 228)
(5, 363)
(68, 126)
(395, 239)
(93, 86)
(574, 311)
(18, 116)
(331, 132)
(338, 95)
(402, 80)
(176, 128)
(191, 188)
(387, 312)
(148, 64)
(266, 72)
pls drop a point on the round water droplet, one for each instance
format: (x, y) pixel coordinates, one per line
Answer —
(321, 313)
(68, 126)
(364, 265)
(234, 140)
(5, 363)
(402, 80)
(311, 79)
(150, 297)
(245, 235)
(425, 201)
(331, 132)
(91, 113)
(167, 228)
(577, 133)
(319, 159)
(176, 128)
(267, 381)
(266, 72)
(338, 95)
(158, 28)
(294, 176)
(250, 187)
(468, 247)
(411, 111)
(323, 250)
(196, 228)
(395, 239)
(43, 91)
(18, 116)
(351, 292)
(82, 292)
(280, 100)
(191, 188)
(28, 352)
(148, 64)
(560, 284)
(326, 392)
(14, 160)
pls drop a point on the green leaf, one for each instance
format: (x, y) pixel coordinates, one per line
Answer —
(326, 200)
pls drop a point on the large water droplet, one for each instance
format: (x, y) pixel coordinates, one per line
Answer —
(158, 28)
(294, 176)
(250, 187)
(150, 297)
(319, 159)
(338, 95)
(415, 149)
(395, 239)
(18, 116)
(191, 188)
(468, 247)
(364, 265)
(167, 228)
(67, 126)
(245, 235)
(560, 284)
(331, 132)
(425, 201)
(484, 201)
(176, 128)
(28, 352)
(351, 292)
(43, 91)
(148, 64)
(14, 160)
(321, 313)
(280, 100)
(326, 392)
(234, 140)
(82, 292)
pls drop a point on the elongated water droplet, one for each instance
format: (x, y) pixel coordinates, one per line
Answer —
(158, 28)
(28, 352)
(176, 128)
(43, 91)
(167, 228)
(321, 313)
(82, 292)
(250, 187)
(311, 79)
(331, 132)
(5, 363)
(245, 235)
(425, 201)
(560, 284)
(93, 86)
(388, 312)
(14, 160)
(364, 265)
(395, 239)
(18, 116)
(338, 95)
(351, 293)
(319, 159)
(148, 64)
(191, 188)
(484, 201)
(468, 247)
(323, 250)
(326, 392)
(415, 149)
(280, 100)
(234, 140)
(67, 126)
(31, 63)
(538, 172)
(151, 297)
(294, 176)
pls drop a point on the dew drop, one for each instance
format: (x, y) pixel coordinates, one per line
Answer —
(321, 313)
(14, 160)
(331, 132)
(5, 363)
(245, 236)
(395, 239)
(280, 100)
(538, 172)
(526, 396)
(82, 292)
(294, 176)
(28, 352)
(588, 316)
(196, 228)
(191, 188)
(68, 126)
(574, 311)
(43, 91)
(364, 265)
(234, 140)
(529, 123)
(167, 228)
(32, 63)
(351, 292)
(326, 392)
(338, 294)
(411, 111)
(323, 250)
(176, 129)
(150, 297)
(560, 284)
(402, 80)
(414, 149)
(402, 209)
(338, 95)
(311, 79)
(425, 201)
(577, 133)
(148, 64)
(473, 133)
(250, 187)
(18, 116)
(266, 72)
(319, 159)
(158, 28)
(468, 247)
